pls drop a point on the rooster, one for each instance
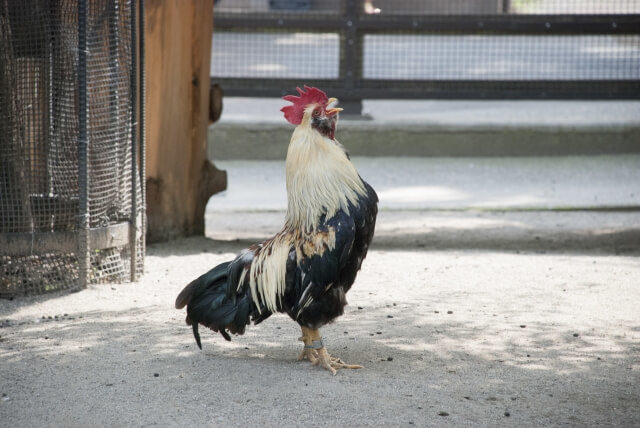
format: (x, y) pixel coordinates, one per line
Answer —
(307, 268)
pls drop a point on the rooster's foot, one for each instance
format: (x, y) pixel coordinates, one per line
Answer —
(317, 354)
(332, 363)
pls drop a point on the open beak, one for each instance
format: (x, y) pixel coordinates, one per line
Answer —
(333, 110)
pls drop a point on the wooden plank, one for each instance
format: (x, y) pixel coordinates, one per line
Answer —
(180, 180)
(22, 244)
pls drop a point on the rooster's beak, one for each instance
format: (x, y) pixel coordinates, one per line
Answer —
(333, 110)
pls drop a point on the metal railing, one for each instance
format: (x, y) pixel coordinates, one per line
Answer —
(422, 50)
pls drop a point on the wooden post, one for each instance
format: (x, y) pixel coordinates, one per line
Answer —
(180, 179)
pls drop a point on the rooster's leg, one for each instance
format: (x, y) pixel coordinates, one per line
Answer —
(315, 352)
(307, 351)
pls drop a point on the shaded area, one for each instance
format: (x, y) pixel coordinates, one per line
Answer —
(616, 231)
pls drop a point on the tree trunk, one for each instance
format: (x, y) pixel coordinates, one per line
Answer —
(180, 179)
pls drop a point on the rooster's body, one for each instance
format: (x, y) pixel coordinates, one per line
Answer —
(307, 268)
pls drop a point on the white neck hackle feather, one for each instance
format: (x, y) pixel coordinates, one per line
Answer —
(320, 178)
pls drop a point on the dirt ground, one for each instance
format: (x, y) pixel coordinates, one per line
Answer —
(460, 337)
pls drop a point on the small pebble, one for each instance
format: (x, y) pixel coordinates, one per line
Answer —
(389, 316)
(378, 332)
(507, 414)
(156, 374)
(360, 307)
(449, 312)
(109, 384)
(410, 422)
(436, 312)
(575, 335)
(522, 326)
(389, 358)
(443, 414)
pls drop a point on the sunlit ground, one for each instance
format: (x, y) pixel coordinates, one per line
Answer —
(547, 338)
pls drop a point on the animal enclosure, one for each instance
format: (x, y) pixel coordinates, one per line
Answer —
(429, 49)
(71, 161)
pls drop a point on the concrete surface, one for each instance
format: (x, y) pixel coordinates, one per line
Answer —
(583, 204)
(253, 128)
(517, 204)
(475, 113)
(577, 182)
(454, 338)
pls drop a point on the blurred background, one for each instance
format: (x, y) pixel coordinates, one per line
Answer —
(524, 111)
(470, 49)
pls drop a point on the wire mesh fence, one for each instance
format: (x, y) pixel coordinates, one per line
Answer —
(430, 48)
(276, 54)
(432, 7)
(68, 169)
(501, 57)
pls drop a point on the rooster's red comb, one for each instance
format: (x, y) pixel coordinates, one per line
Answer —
(294, 113)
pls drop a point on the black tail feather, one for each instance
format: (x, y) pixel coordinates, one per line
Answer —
(209, 303)
(196, 286)
(194, 326)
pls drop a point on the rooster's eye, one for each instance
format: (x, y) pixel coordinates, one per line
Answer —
(316, 112)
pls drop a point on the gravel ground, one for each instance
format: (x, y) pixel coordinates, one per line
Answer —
(458, 337)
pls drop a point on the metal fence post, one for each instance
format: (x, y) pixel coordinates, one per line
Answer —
(141, 132)
(83, 150)
(351, 58)
(133, 228)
